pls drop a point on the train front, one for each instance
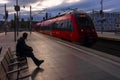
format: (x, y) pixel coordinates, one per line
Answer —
(86, 29)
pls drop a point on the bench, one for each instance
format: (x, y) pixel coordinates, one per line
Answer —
(11, 66)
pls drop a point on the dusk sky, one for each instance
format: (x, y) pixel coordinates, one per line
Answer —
(56, 6)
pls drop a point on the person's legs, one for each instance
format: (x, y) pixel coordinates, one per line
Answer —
(35, 60)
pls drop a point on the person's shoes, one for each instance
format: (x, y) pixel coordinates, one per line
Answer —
(40, 62)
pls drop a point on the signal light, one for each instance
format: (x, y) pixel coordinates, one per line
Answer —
(17, 8)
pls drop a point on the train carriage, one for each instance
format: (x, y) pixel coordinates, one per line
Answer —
(75, 26)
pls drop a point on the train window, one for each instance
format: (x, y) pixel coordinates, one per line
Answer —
(65, 25)
(85, 21)
(37, 28)
(61, 26)
(52, 26)
(57, 27)
(69, 26)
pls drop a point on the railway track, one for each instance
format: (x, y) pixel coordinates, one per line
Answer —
(108, 46)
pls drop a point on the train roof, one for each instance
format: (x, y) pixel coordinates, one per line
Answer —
(74, 12)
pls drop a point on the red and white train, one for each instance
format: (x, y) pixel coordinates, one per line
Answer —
(75, 26)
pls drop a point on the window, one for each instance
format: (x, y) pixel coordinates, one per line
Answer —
(69, 24)
(84, 21)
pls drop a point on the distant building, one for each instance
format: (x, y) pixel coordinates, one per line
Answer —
(110, 20)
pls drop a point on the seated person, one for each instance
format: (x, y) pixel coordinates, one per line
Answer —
(23, 50)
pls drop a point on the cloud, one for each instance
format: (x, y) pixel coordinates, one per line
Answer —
(108, 10)
(56, 6)
(72, 1)
(51, 3)
(4, 1)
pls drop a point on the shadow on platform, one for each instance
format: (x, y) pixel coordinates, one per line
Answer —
(35, 72)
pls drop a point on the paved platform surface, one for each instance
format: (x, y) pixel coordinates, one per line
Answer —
(8, 40)
(109, 35)
(64, 65)
(65, 62)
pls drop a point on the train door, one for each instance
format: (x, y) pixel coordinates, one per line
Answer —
(70, 30)
(66, 29)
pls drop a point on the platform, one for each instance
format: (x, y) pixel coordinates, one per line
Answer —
(109, 35)
(66, 62)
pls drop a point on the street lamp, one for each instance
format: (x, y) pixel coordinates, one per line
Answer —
(5, 17)
(30, 19)
(17, 9)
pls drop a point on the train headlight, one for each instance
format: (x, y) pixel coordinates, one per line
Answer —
(82, 30)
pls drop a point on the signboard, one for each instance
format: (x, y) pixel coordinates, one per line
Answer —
(17, 8)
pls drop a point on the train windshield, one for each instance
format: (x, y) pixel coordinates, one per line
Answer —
(84, 21)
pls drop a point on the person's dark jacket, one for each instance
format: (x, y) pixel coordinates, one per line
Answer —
(22, 48)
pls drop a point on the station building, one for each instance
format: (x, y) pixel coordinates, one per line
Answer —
(111, 21)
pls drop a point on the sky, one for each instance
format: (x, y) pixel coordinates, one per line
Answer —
(53, 7)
